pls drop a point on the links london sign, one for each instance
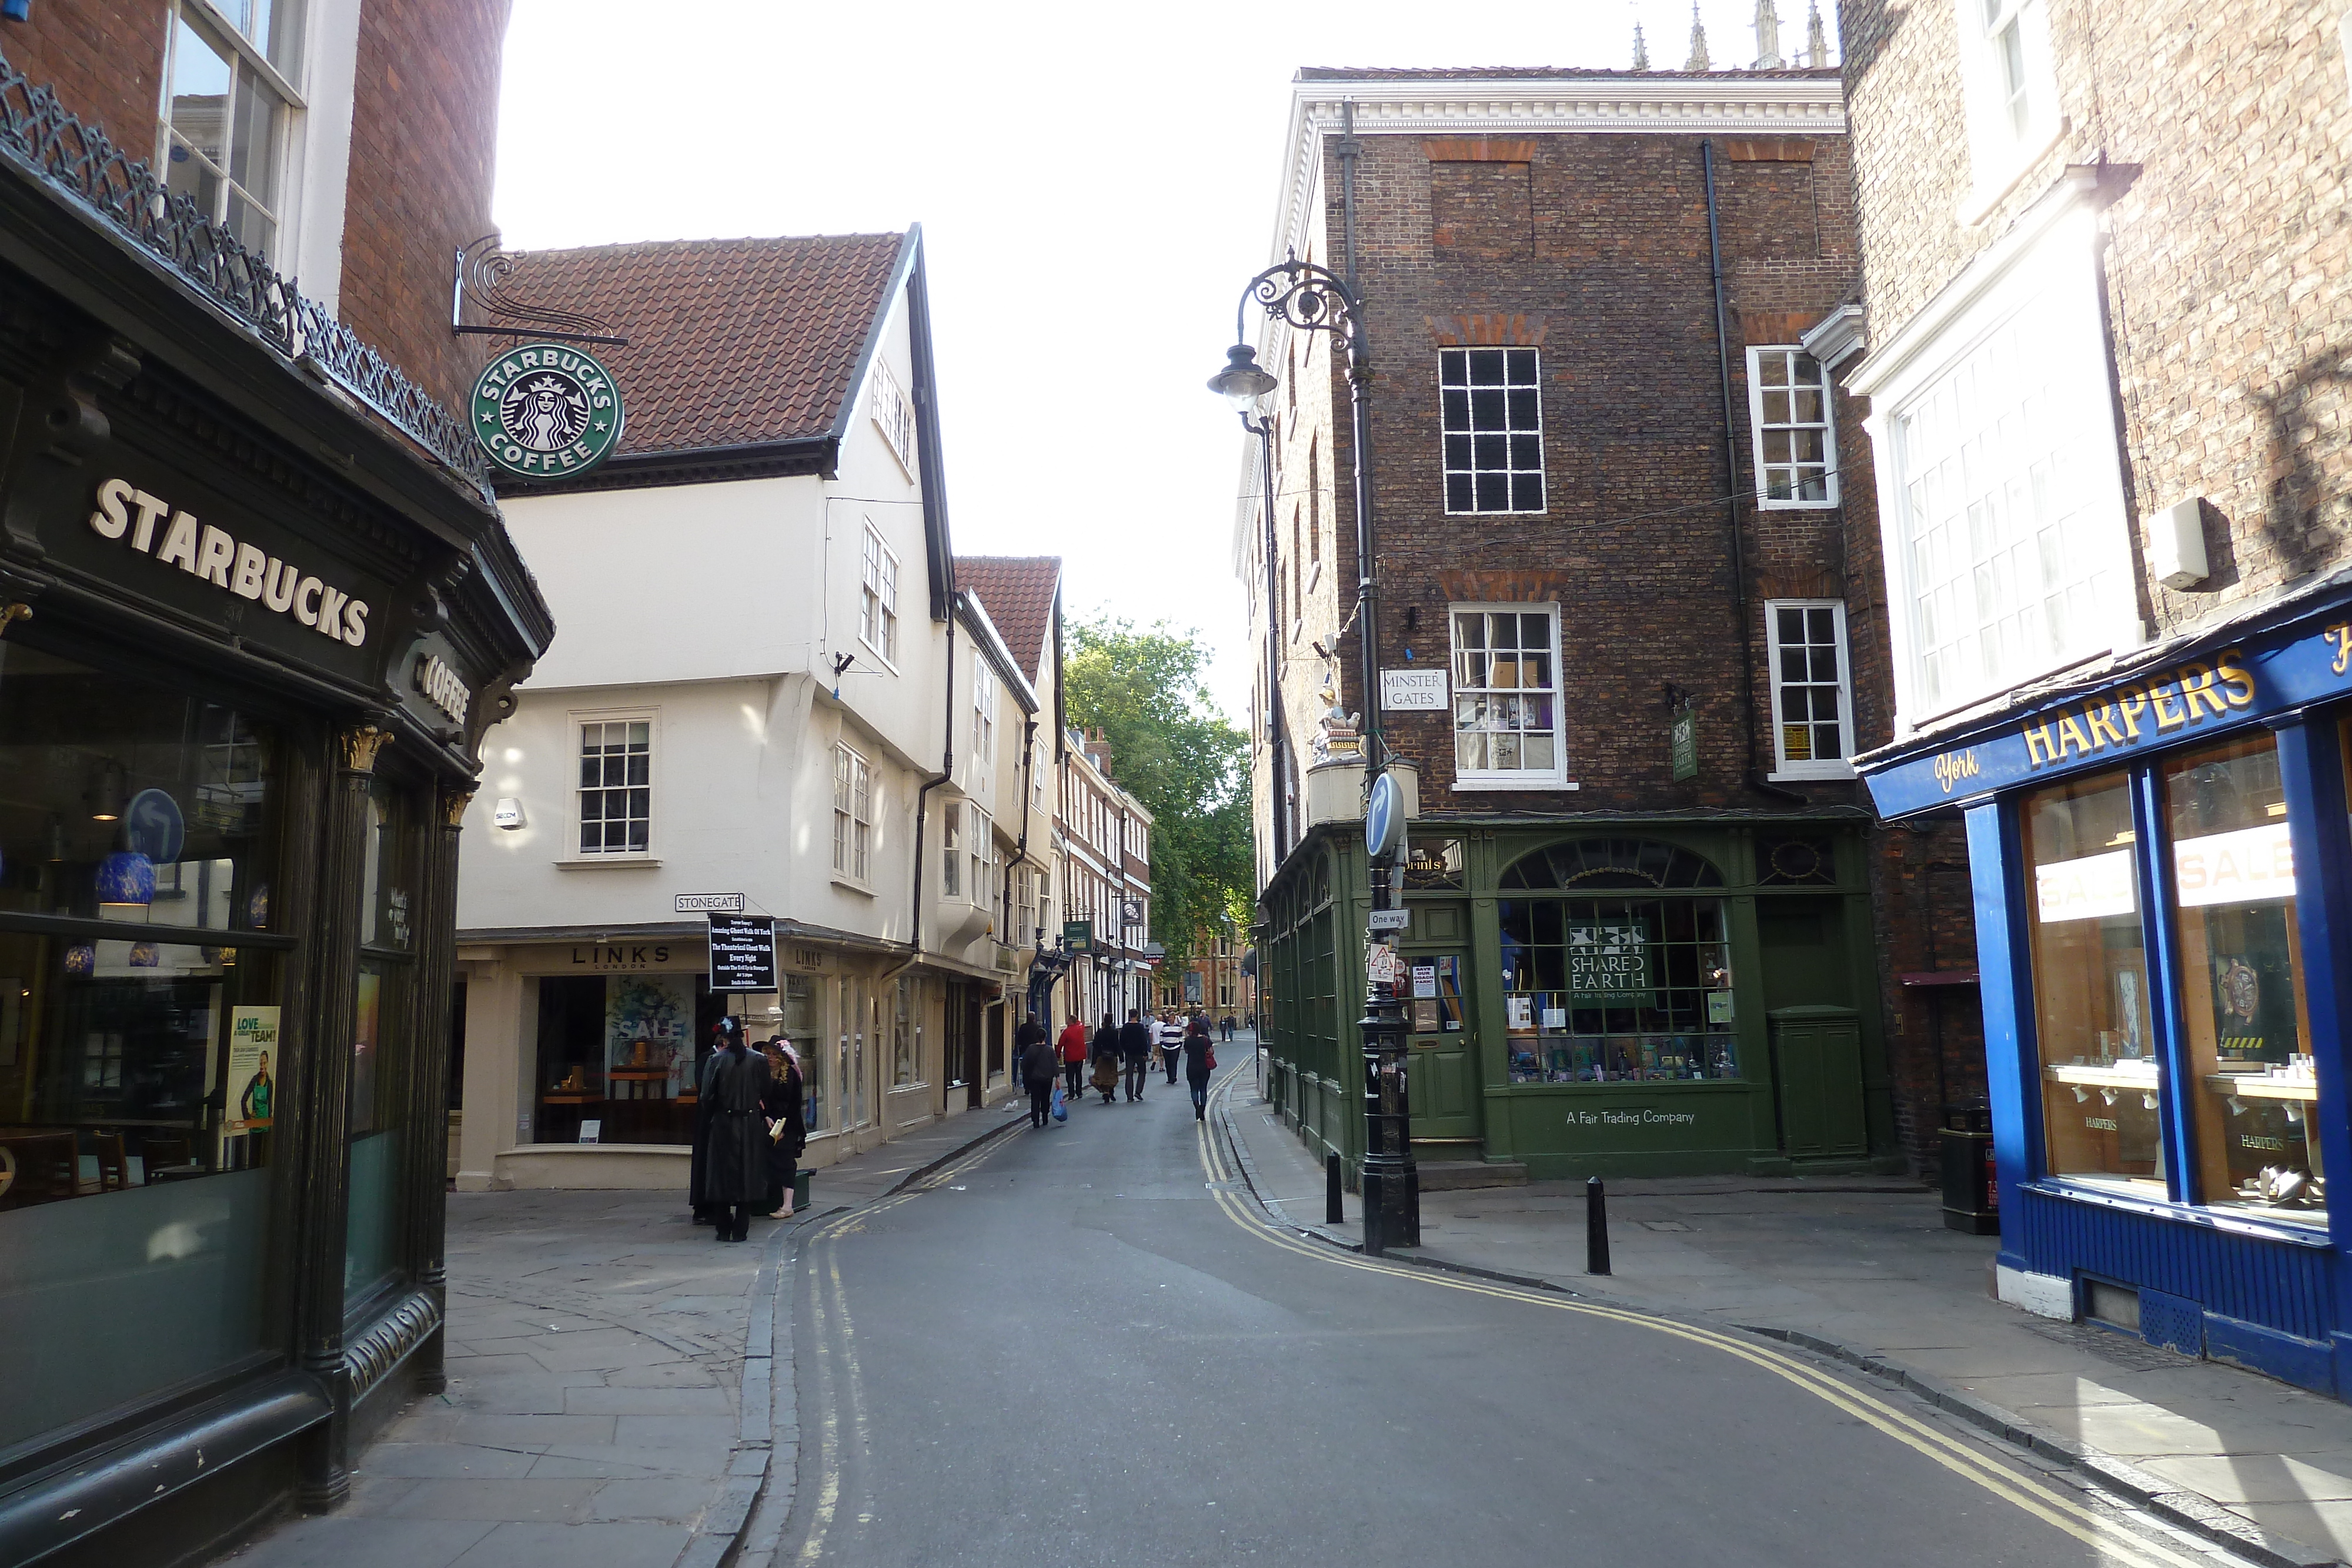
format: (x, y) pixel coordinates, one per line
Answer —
(546, 412)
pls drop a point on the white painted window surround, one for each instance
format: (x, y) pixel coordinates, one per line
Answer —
(1813, 688)
(2000, 497)
(2010, 84)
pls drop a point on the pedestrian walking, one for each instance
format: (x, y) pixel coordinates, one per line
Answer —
(1171, 1045)
(1135, 1052)
(1228, 1029)
(1074, 1060)
(1200, 1060)
(1037, 1059)
(787, 1126)
(735, 1170)
(1105, 1048)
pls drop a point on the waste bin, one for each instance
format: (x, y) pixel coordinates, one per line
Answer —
(1971, 1190)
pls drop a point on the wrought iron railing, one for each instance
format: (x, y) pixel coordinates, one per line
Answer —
(81, 162)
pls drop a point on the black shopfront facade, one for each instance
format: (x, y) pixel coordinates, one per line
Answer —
(251, 631)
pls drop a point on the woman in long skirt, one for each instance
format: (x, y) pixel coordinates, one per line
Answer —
(787, 1131)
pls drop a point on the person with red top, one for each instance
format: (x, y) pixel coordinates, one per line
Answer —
(1073, 1045)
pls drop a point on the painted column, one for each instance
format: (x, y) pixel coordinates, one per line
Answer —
(428, 1203)
(2012, 1076)
(324, 1201)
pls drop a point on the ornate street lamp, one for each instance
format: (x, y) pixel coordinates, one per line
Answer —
(1312, 298)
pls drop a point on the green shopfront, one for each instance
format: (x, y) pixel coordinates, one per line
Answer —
(1633, 997)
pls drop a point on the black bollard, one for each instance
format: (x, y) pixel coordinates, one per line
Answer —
(1596, 1227)
(1332, 1213)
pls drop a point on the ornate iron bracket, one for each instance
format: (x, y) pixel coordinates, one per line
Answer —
(1309, 299)
(483, 268)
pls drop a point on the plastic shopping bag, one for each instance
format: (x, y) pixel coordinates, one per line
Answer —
(1061, 1111)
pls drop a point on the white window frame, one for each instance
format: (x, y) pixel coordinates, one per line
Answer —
(877, 597)
(2003, 142)
(1471, 433)
(983, 712)
(1758, 428)
(981, 836)
(577, 723)
(952, 849)
(853, 816)
(894, 414)
(220, 33)
(2049, 253)
(1556, 778)
(1783, 767)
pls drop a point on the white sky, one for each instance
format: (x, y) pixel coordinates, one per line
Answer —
(1095, 186)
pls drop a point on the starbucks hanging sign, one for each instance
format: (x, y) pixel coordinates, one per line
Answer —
(546, 411)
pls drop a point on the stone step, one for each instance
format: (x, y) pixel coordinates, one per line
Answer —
(1454, 1176)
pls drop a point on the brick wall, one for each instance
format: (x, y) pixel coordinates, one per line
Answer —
(423, 140)
(2224, 257)
(104, 57)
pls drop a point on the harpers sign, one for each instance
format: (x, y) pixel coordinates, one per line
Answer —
(2185, 698)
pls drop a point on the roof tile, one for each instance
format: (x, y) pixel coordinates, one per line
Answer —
(1017, 591)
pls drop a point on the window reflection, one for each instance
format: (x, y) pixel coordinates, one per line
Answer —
(2100, 1081)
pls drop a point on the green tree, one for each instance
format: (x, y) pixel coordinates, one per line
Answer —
(1173, 751)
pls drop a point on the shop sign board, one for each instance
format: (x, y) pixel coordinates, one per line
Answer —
(707, 903)
(2184, 698)
(1079, 935)
(743, 953)
(1608, 965)
(546, 411)
(1413, 691)
(1684, 744)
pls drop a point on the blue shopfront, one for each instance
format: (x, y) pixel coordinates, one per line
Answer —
(2162, 863)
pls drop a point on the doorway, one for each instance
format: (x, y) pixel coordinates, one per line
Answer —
(1815, 1031)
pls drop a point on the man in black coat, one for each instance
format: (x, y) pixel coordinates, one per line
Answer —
(1135, 1052)
(735, 1163)
(1037, 1060)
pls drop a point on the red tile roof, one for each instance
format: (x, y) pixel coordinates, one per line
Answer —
(1017, 591)
(731, 342)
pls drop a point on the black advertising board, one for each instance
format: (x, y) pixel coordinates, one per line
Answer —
(743, 953)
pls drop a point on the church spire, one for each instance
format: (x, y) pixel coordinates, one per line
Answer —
(1767, 37)
(1641, 49)
(1817, 37)
(1698, 61)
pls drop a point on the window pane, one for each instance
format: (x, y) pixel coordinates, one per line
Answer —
(2254, 1079)
(2100, 1078)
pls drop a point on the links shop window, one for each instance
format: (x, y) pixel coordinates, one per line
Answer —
(2234, 1041)
(1494, 430)
(228, 105)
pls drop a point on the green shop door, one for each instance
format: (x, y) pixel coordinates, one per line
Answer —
(1816, 1033)
(1443, 1068)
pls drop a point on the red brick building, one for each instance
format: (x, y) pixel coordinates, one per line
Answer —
(1628, 643)
(2104, 391)
(259, 607)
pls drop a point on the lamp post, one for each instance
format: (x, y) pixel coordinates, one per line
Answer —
(1314, 299)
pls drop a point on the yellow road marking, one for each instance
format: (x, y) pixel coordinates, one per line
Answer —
(2045, 1502)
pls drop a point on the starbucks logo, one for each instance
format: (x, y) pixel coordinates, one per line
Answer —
(546, 412)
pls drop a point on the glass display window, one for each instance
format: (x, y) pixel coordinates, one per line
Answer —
(2246, 1032)
(1606, 990)
(2101, 1078)
(805, 1026)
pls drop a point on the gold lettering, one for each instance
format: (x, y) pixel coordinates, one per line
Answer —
(2068, 729)
(2131, 702)
(2231, 678)
(2037, 746)
(2102, 723)
(2340, 635)
(2201, 690)
(2157, 697)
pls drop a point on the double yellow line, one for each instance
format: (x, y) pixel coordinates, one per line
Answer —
(2119, 1544)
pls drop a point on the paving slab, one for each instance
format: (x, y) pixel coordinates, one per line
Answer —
(1867, 1266)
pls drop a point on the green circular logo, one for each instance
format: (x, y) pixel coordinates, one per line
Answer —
(546, 411)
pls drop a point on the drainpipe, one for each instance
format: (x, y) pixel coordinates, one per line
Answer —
(947, 771)
(1755, 778)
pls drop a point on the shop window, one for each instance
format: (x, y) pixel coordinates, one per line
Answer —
(615, 796)
(1812, 698)
(878, 598)
(1507, 696)
(2246, 1039)
(1794, 447)
(904, 1068)
(2101, 1082)
(1493, 406)
(1608, 991)
(227, 111)
(853, 814)
(804, 1025)
(619, 1050)
(856, 1032)
(1597, 864)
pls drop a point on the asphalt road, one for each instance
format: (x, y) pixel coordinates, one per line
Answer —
(1084, 1346)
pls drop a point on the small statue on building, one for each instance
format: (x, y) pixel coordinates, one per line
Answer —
(1338, 737)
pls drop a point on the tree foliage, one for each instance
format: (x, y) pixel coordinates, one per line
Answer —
(1173, 751)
